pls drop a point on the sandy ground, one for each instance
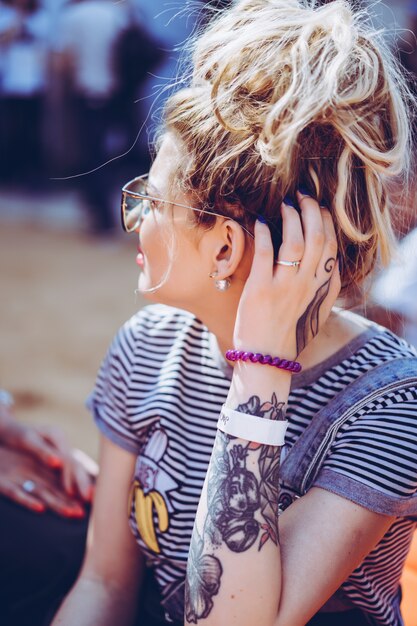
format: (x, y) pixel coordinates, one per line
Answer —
(62, 297)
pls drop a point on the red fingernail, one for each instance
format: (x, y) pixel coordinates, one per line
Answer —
(55, 462)
(39, 508)
(74, 512)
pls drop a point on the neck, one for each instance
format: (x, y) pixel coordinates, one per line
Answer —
(331, 337)
(222, 326)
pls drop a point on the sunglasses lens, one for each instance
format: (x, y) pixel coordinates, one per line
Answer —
(132, 206)
(132, 210)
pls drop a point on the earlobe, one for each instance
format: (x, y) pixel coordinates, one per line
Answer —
(229, 250)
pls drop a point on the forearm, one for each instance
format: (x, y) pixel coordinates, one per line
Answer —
(234, 567)
(93, 603)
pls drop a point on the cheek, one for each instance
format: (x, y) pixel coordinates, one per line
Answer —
(172, 261)
(154, 241)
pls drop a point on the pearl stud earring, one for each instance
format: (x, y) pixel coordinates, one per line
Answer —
(222, 284)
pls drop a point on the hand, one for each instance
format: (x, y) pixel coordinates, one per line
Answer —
(49, 446)
(17, 467)
(282, 308)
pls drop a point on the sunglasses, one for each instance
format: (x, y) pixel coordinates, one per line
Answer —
(137, 203)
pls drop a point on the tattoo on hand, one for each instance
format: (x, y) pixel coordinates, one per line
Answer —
(234, 496)
(308, 324)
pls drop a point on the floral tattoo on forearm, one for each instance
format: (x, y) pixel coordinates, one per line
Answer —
(242, 507)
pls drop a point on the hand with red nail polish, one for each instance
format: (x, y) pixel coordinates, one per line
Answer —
(27, 482)
(39, 469)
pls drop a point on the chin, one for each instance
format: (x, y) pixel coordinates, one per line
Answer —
(164, 294)
(149, 293)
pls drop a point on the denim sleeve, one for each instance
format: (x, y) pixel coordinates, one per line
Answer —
(373, 459)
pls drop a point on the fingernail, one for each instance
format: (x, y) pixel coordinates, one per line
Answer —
(55, 462)
(288, 200)
(74, 512)
(261, 219)
(39, 508)
(304, 190)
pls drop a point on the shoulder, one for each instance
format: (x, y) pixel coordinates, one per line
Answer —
(160, 326)
(157, 317)
(372, 339)
(351, 347)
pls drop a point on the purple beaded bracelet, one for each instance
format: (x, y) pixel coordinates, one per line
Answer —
(264, 359)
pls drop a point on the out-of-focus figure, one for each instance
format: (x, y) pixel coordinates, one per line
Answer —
(104, 53)
(24, 29)
(396, 288)
(87, 34)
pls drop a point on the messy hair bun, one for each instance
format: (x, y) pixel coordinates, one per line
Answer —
(285, 93)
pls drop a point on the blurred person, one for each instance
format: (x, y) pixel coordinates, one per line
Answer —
(85, 40)
(270, 192)
(45, 495)
(24, 32)
(169, 24)
(137, 54)
(395, 289)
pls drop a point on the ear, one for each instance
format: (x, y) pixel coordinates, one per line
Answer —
(229, 247)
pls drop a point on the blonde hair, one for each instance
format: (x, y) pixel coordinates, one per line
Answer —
(285, 93)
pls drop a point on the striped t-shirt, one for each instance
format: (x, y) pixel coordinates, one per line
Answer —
(158, 395)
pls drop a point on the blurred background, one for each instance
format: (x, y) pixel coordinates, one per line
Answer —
(81, 85)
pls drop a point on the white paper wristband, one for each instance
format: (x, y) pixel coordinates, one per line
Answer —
(252, 428)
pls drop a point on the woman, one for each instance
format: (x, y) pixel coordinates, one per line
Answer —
(291, 102)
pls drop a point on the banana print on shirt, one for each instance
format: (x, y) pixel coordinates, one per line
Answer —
(149, 491)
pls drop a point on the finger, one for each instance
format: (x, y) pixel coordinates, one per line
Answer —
(82, 481)
(33, 442)
(292, 247)
(58, 439)
(20, 496)
(68, 477)
(331, 290)
(329, 256)
(86, 461)
(335, 284)
(59, 504)
(263, 258)
(314, 236)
